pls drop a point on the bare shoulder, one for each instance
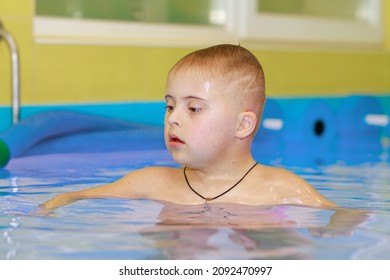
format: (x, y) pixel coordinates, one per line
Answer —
(153, 174)
(149, 182)
(282, 176)
(290, 188)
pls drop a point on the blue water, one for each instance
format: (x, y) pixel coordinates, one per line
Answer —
(143, 229)
(353, 176)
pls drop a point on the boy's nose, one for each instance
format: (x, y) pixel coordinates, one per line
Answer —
(173, 118)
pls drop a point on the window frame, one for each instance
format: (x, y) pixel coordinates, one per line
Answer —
(241, 26)
(311, 29)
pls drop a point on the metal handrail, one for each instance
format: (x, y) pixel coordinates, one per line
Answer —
(15, 74)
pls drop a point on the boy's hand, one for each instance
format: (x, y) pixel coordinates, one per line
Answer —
(49, 206)
(329, 232)
(342, 223)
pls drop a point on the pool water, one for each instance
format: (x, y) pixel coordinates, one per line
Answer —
(143, 229)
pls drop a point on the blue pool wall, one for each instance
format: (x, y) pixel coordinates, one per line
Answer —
(142, 112)
(153, 112)
(310, 123)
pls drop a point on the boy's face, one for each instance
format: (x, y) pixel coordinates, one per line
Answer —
(200, 120)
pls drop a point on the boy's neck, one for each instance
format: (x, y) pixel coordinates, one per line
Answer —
(223, 170)
(218, 179)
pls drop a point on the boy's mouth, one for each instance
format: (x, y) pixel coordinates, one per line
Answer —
(175, 140)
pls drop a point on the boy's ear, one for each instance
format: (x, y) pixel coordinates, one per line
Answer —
(248, 122)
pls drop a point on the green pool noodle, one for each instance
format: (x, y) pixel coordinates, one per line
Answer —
(4, 154)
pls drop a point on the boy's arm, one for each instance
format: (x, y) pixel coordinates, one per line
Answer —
(342, 223)
(70, 197)
(129, 186)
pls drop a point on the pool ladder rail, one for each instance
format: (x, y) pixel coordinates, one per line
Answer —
(15, 73)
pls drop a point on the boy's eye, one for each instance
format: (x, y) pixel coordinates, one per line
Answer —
(195, 109)
(169, 108)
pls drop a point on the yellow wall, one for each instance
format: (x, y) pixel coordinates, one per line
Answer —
(386, 12)
(16, 16)
(84, 74)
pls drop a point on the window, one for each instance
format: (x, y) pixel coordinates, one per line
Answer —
(193, 22)
(163, 22)
(344, 21)
(199, 12)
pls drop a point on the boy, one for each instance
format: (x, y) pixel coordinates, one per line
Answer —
(215, 99)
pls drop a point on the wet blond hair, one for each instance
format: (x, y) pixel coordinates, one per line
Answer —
(236, 70)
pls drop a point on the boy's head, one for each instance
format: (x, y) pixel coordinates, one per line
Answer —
(234, 70)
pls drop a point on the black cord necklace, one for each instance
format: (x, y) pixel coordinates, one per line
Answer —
(215, 197)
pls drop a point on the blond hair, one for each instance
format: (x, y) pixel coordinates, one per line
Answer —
(236, 69)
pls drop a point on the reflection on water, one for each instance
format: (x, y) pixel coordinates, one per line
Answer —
(142, 229)
(231, 232)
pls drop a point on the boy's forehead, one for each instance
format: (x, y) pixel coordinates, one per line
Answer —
(203, 90)
(191, 81)
(197, 76)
